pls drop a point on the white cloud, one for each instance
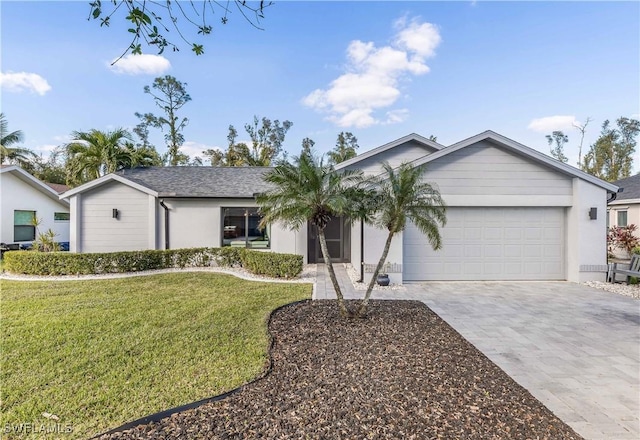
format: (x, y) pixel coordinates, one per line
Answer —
(372, 76)
(141, 65)
(551, 123)
(24, 81)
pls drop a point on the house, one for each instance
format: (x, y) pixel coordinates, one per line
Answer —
(514, 214)
(624, 209)
(24, 197)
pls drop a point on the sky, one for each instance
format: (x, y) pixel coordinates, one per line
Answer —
(381, 70)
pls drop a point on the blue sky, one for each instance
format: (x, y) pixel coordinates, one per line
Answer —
(381, 70)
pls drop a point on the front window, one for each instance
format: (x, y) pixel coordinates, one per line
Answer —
(240, 229)
(23, 226)
(622, 218)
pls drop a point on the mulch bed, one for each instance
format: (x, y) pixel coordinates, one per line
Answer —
(400, 373)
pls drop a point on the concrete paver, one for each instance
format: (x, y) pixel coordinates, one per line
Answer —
(575, 348)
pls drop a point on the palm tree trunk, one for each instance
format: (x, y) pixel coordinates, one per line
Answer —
(344, 312)
(365, 302)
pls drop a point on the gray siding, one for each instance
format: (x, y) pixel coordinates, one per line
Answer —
(484, 169)
(406, 152)
(102, 233)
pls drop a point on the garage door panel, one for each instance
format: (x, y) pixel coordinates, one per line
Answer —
(490, 244)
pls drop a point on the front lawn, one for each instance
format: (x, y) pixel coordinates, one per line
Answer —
(100, 353)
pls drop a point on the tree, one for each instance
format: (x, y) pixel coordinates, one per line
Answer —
(307, 146)
(345, 149)
(8, 153)
(94, 153)
(403, 196)
(266, 137)
(557, 151)
(308, 190)
(170, 95)
(148, 21)
(233, 156)
(582, 128)
(611, 156)
(51, 169)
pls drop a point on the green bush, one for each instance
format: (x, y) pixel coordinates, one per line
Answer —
(273, 265)
(67, 263)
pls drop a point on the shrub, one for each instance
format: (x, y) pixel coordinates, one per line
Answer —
(623, 237)
(65, 263)
(271, 264)
(230, 256)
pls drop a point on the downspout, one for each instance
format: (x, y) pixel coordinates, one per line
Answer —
(614, 195)
(166, 224)
(361, 280)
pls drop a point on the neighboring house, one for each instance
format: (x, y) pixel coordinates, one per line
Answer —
(514, 214)
(624, 210)
(24, 197)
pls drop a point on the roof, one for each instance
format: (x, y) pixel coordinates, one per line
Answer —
(197, 181)
(57, 187)
(630, 190)
(32, 182)
(522, 150)
(410, 137)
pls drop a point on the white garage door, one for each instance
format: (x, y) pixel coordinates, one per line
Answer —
(490, 244)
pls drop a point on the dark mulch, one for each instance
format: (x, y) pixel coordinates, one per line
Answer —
(401, 373)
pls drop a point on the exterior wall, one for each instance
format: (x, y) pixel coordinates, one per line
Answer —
(586, 239)
(100, 232)
(16, 194)
(286, 241)
(374, 240)
(195, 222)
(633, 214)
(485, 175)
(395, 156)
(198, 223)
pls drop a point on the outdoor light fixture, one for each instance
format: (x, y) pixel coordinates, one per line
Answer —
(115, 213)
(593, 213)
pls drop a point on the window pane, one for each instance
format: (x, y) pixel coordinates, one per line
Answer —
(622, 218)
(23, 217)
(61, 216)
(24, 233)
(241, 226)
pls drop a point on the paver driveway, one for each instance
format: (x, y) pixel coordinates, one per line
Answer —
(576, 349)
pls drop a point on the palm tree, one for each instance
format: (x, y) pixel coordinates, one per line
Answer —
(20, 156)
(403, 196)
(308, 190)
(96, 153)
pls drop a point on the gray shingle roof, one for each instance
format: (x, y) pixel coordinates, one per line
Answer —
(225, 182)
(631, 187)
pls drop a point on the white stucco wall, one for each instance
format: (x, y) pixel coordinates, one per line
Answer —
(16, 194)
(198, 223)
(287, 241)
(374, 241)
(586, 239)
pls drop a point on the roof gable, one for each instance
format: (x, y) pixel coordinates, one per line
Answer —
(32, 182)
(103, 181)
(427, 144)
(522, 150)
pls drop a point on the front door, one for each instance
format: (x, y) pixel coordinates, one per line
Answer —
(335, 233)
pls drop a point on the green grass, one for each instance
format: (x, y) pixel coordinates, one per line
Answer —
(103, 352)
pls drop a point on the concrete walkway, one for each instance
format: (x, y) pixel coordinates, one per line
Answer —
(576, 349)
